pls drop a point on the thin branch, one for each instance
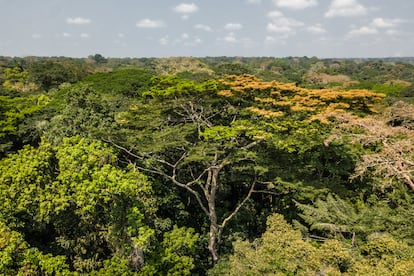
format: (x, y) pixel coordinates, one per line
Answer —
(170, 177)
(236, 210)
(179, 184)
(266, 192)
(184, 155)
(195, 193)
(124, 149)
(197, 179)
(252, 144)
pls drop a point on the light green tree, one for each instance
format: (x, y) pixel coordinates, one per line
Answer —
(79, 201)
(17, 79)
(18, 258)
(282, 251)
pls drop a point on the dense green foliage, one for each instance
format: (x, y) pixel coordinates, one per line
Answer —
(282, 251)
(219, 166)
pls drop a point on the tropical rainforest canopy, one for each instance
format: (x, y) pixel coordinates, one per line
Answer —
(206, 166)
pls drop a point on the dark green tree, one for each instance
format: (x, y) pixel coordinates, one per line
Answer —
(128, 82)
(79, 110)
(49, 74)
(98, 58)
(14, 113)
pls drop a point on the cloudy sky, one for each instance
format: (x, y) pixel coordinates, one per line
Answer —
(163, 28)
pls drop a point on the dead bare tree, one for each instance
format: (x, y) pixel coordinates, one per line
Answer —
(392, 138)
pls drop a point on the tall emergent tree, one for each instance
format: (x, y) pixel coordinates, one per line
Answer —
(186, 134)
(211, 138)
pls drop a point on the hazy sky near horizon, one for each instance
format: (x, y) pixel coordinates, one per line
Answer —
(163, 28)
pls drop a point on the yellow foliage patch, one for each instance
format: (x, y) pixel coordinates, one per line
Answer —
(265, 113)
(225, 93)
(271, 96)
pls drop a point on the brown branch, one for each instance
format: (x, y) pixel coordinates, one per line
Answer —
(189, 189)
(169, 177)
(236, 210)
(195, 116)
(266, 192)
(129, 152)
(179, 184)
(252, 144)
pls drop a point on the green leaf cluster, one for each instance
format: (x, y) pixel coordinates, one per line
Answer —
(282, 251)
(175, 253)
(127, 82)
(14, 111)
(75, 196)
(171, 86)
(18, 258)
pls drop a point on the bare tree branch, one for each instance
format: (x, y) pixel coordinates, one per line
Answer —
(236, 210)
(252, 144)
(207, 199)
(394, 143)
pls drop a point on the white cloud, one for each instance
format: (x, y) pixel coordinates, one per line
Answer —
(392, 32)
(254, 1)
(203, 27)
(186, 8)
(365, 30)
(149, 24)
(84, 35)
(316, 29)
(183, 40)
(120, 35)
(164, 40)
(295, 4)
(385, 23)
(191, 42)
(375, 27)
(345, 8)
(66, 35)
(274, 28)
(275, 14)
(282, 24)
(271, 40)
(230, 38)
(233, 26)
(78, 20)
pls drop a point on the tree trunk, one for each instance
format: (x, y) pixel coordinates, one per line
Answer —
(210, 188)
(213, 244)
(210, 194)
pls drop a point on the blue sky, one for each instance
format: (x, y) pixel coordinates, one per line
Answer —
(163, 28)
